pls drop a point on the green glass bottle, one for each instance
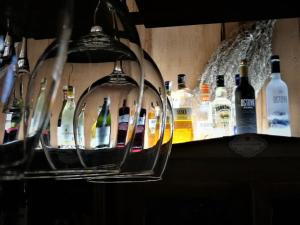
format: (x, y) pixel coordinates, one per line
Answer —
(103, 126)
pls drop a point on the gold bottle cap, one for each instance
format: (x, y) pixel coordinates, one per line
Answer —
(243, 68)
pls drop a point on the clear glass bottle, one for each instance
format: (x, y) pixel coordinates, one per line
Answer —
(221, 110)
(103, 126)
(67, 134)
(37, 116)
(204, 114)
(182, 109)
(245, 106)
(277, 102)
(233, 116)
(59, 129)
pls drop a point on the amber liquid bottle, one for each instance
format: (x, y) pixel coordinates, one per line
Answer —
(182, 110)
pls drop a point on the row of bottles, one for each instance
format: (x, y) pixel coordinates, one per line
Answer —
(204, 118)
(14, 69)
(147, 128)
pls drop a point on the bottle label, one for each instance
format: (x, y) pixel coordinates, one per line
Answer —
(222, 119)
(183, 113)
(152, 125)
(102, 137)
(280, 100)
(8, 121)
(67, 135)
(141, 121)
(59, 136)
(246, 117)
(248, 103)
(124, 118)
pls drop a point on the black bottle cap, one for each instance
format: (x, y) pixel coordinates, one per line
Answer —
(275, 64)
(181, 78)
(220, 80)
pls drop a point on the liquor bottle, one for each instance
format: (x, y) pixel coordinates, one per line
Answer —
(46, 134)
(23, 64)
(158, 122)
(167, 131)
(93, 130)
(221, 110)
(124, 112)
(168, 86)
(37, 115)
(12, 121)
(138, 142)
(67, 134)
(245, 103)
(151, 126)
(233, 116)
(182, 110)
(8, 49)
(204, 113)
(277, 102)
(103, 126)
(80, 132)
(59, 130)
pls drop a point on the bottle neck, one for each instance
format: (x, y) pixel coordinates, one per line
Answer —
(244, 80)
(221, 92)
(276, 76)
(181, 86)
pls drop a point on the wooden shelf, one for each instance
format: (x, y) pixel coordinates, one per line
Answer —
(273, 159)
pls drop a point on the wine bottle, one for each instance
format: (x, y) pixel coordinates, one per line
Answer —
(12, 122)
(182, 110)
(59, 129)
(103, 126)
(138, 142)
(245, 103)
(67, 134)
(233, 116)
(221, 110)
(38, 114)
(23, 63)
(8, 48)
(277, 102)
(124, 112)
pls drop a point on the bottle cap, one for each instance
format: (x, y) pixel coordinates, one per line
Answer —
(243, 68)
(275, 64)
(220, 80)
(168, 85)
(204, 88)
(181, 78)
(274, 57)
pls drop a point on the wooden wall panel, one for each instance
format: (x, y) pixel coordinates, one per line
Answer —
(183, 49)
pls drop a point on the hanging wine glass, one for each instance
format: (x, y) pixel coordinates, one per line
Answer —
(23, 113)
(161, 162)
(109, 60)
(145, 153)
